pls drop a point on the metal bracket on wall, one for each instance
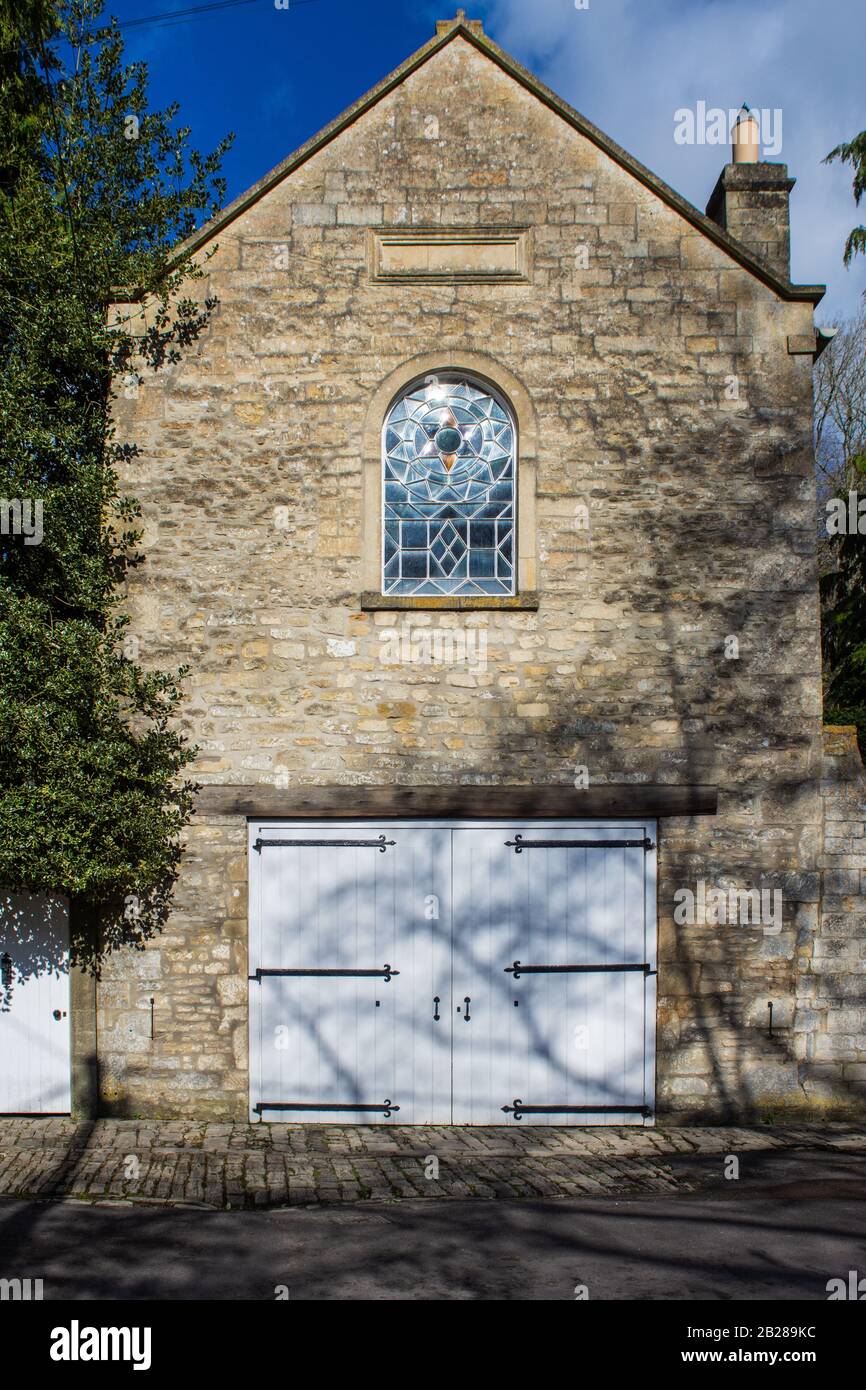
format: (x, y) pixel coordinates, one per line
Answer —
(518, 844)
(380, 844)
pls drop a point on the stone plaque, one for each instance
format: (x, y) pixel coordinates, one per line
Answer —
(449, 253)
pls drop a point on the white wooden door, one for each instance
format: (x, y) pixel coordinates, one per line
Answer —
(350, 956)
(465, 973)
(554, 948)
(34, 1006)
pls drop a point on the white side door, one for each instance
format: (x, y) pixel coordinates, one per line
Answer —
(554, 950)
(34, 1006)
(349, 973)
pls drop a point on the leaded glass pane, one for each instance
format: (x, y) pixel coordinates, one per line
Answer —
(448, 492)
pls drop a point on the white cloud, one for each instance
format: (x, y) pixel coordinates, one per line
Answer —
(628, 65)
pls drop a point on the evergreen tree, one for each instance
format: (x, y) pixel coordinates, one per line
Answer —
(843, 590)
(843, 601)
(96, 192)
(853, 152)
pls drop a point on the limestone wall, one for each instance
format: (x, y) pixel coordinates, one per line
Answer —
(717, 1053)
(830, 1022)
(655, 381)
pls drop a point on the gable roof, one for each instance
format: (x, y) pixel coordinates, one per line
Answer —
(471, 31)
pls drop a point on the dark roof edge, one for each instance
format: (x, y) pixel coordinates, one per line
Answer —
(522, 75)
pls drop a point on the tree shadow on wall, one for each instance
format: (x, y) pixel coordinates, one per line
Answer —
(349, 1042)
(34, 940)
(707, 688)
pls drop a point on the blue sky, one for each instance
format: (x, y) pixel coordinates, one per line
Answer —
(276, 76)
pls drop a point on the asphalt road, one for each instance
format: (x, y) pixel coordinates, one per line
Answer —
(789, 1224)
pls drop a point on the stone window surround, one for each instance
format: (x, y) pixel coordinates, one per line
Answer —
(490, 371)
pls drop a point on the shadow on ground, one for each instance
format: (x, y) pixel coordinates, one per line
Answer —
(787, 1226)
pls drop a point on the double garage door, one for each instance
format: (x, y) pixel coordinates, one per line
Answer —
(453, 973)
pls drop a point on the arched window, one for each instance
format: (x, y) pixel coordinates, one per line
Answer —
(449, 456)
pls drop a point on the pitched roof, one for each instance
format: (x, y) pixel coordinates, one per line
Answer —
(471, 31)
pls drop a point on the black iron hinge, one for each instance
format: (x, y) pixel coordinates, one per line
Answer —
(385, 973)
(380, 844)
(518, 844)
(518, 1109)
(517, 969)
(385, 1109)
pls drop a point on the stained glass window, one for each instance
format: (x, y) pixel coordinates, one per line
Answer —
(449, 491)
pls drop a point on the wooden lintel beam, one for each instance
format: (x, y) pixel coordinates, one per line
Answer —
(620, 800)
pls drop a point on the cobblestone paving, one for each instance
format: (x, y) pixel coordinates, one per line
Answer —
(238, 1165)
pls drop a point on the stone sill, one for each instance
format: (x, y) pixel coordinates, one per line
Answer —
(526, 602)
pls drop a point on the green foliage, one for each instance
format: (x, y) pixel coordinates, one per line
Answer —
(95, 193)
(843, 597)
(854, 152)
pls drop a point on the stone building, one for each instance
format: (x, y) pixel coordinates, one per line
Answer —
(483, 513)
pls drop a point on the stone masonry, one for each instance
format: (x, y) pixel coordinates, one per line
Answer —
(242, 1165)
(830, 1022)
(656, 387)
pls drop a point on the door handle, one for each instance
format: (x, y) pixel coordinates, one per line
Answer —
(58, 1015)
(466, 1016)
(436, 1003)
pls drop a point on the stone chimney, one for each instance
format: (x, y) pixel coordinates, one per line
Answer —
(751, 199)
